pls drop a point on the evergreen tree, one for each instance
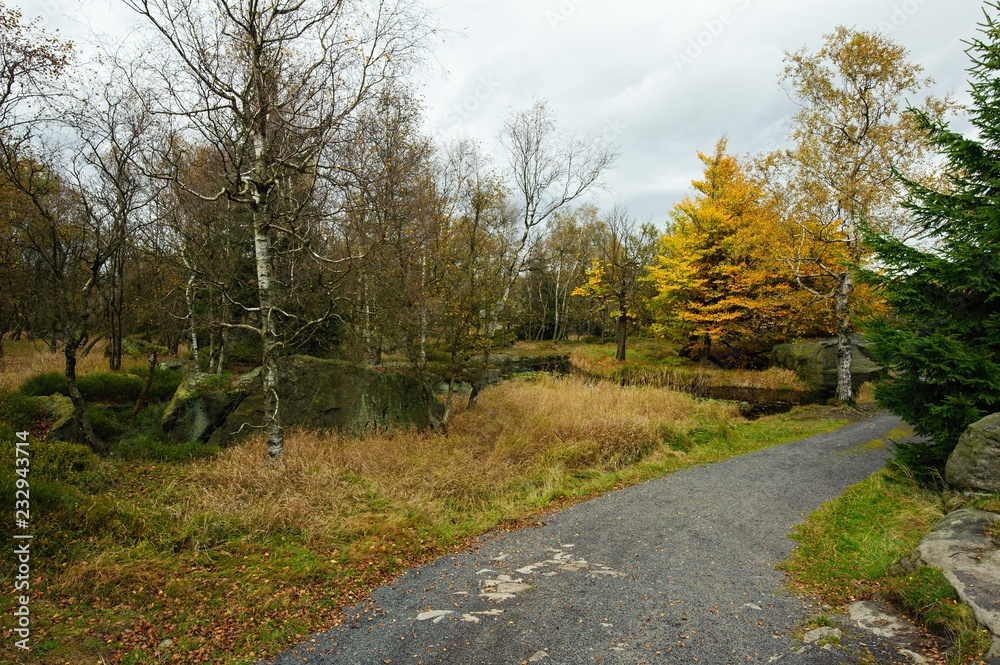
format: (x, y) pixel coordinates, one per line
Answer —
(942, 343)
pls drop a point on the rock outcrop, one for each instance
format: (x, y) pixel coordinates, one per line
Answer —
(331, 394)
(65, 426)
(202, 403)
(816, 363)
(974, 465)
(961, 546)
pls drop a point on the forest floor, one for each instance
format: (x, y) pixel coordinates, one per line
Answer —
(193, 554)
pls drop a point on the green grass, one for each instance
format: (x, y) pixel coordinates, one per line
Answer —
(234, 558)
(847, 549)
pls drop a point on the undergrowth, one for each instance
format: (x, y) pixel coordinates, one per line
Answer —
(848, 547)
(232, 557)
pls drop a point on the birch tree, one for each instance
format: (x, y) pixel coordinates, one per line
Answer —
(273, 86)
(549, 170)
(849, 138)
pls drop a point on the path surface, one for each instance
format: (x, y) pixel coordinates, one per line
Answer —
(676, 570)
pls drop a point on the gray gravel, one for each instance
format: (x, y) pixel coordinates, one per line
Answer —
(676, 570)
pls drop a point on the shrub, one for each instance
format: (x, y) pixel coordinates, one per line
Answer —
(149, 445)
(165, 382)
(106, 423)
(108, 387)
(43, 385)
(18, 410)
(95, 387)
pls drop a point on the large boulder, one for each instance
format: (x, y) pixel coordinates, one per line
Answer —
(332, 394)
(974, 465)
(816, 362)
(202, 403)
(962, 547)
(60, 410)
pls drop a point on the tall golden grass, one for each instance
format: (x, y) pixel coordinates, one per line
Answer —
(330, 485)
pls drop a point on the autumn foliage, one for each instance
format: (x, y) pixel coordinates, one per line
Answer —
(721, 275)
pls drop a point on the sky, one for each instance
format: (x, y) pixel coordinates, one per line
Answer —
(661, 79)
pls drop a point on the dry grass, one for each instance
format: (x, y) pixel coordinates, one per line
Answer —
(866, 394)
(328, 484)
(234, 557)
(23, 360)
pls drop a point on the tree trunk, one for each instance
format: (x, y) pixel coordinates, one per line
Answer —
(91, 344)
(555, 328)
(621, 326)
(705, 356)
(423, 310)
(116, 307)
(145, 388)
(79, 404)
(192, 324)
(269, 373)
(221, 362)
(842, 300)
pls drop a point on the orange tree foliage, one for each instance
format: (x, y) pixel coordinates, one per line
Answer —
(720, 275)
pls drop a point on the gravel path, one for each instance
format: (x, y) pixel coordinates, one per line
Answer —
(676, 570)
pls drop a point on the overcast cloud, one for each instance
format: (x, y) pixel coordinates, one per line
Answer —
(663, 78)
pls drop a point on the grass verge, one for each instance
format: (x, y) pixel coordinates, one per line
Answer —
(232, 558)
(847, 549)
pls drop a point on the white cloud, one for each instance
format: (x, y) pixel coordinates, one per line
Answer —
(597, 62)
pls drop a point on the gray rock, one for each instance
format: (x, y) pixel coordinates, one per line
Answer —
(59, 407)
(974, 465)
(822, 633)
(177, 365)
(869, 617)
(969, 558)
(332, 394)
(816, 362)
(201, 404)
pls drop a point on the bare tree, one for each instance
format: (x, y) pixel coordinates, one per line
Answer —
(113, 132)
(272, 86)
(549, 169)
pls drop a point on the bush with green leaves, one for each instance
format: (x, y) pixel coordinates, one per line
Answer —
(941, 343)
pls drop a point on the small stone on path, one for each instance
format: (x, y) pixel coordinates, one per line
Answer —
(436, 615)
(821, 633)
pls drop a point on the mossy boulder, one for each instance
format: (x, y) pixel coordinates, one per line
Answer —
(59, 408)
(974, 465)
(202, 403)
(332, 394)
(816, 362)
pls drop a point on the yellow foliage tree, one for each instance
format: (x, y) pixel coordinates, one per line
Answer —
(616, 281)
(719, 275)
